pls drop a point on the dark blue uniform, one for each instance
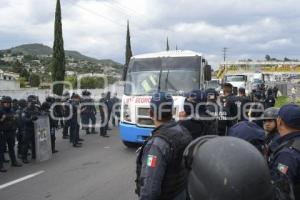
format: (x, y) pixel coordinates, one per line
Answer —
(74, 125)
(250, 132)
(286, 159)
(160, 170)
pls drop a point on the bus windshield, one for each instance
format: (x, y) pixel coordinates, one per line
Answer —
(177, 75)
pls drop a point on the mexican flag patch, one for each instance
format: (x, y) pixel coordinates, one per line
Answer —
(282, 168)
(151, 161)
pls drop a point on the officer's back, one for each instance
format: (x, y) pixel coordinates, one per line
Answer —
(160, 171)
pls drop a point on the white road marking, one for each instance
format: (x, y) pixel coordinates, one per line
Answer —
(20, 179)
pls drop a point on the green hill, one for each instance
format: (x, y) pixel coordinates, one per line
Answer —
(40, 49)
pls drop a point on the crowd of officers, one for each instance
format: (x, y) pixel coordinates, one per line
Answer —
(215, 152)
(69, 113)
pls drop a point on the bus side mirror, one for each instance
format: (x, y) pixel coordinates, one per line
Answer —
(125, 68)
(207, 73)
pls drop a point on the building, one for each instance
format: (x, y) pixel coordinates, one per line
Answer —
(9, 81)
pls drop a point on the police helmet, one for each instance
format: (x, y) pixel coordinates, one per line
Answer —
(270, 113)
(22, 103)
(6, 99)
(211, 94)
(85, 93)
(32, 99)
(45, 106)
(226, 168)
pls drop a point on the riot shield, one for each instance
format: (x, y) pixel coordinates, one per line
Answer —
(42, 138)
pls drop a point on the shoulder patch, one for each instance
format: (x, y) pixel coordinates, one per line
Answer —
(151, 161)
(282, 168)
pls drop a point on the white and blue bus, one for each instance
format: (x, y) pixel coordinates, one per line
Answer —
(177, 72)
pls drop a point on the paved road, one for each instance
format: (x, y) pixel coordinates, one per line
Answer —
(102, 170)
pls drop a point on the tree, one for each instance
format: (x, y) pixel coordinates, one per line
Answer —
(128, 53)
(58, 60)
(168, 47)
(268, 57)
(34, 80)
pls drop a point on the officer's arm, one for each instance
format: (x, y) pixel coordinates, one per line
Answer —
(287, 164)
(154, 163)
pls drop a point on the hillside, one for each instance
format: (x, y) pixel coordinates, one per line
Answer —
(40, 49)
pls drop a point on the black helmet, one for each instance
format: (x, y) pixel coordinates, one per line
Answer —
(270, 113)
(226, 168)
(32, 99)
(85, 93)
(22, 103)
(6, 99)
(45, 106)
(211, 94)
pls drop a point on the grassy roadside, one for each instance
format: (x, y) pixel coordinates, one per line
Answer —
(280, 101)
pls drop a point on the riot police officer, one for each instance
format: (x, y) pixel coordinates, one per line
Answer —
(8, 126)
(229, 106)
(226, 168)
(21, 125)
(270, 100)
(250, 132)
(199, 123)
(243, 102)
(66, 113)
(285, 160)
(270, 126)
(30, 115)
(116, 107)
(105, 111)
(74, 124)
(160, 170)
(89, 112)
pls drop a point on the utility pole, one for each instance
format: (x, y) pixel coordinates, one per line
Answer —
(225, 49)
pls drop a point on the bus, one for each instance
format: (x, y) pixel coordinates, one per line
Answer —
(175, 72)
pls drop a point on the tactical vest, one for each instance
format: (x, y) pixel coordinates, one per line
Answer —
(175, 178)
(294, 144)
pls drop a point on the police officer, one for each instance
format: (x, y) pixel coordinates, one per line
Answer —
(105, 110)
(228, 105)
(226, 168)
(270, 126)
(74, 125)
(243, 103)
(285, 160)
(250, 132)
(66, 113)
(30, 115)
(116, 107)
(270, 100)
(8, 126)
(199, 123)
(89, 112)
(21, 125)
(160, 170)
(256, 109)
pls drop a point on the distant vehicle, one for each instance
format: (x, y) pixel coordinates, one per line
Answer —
(237, 81)
(215, 84)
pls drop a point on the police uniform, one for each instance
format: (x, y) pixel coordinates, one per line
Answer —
(74, 125)
(8, 127)
(116, 110)
(160, 170)
(286, 158)
(89, 112)
(30, 115)
(199, 125)
(250, 132)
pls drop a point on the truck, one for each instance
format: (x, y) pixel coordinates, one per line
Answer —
(237, 81)
(175, 72)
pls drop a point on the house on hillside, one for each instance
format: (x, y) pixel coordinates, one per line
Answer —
(9, 81)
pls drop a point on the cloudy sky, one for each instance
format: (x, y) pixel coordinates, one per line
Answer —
(249, 28)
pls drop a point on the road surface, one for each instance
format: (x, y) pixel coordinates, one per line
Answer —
(103, 169)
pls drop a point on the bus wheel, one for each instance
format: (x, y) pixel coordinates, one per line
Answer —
(131, 144)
